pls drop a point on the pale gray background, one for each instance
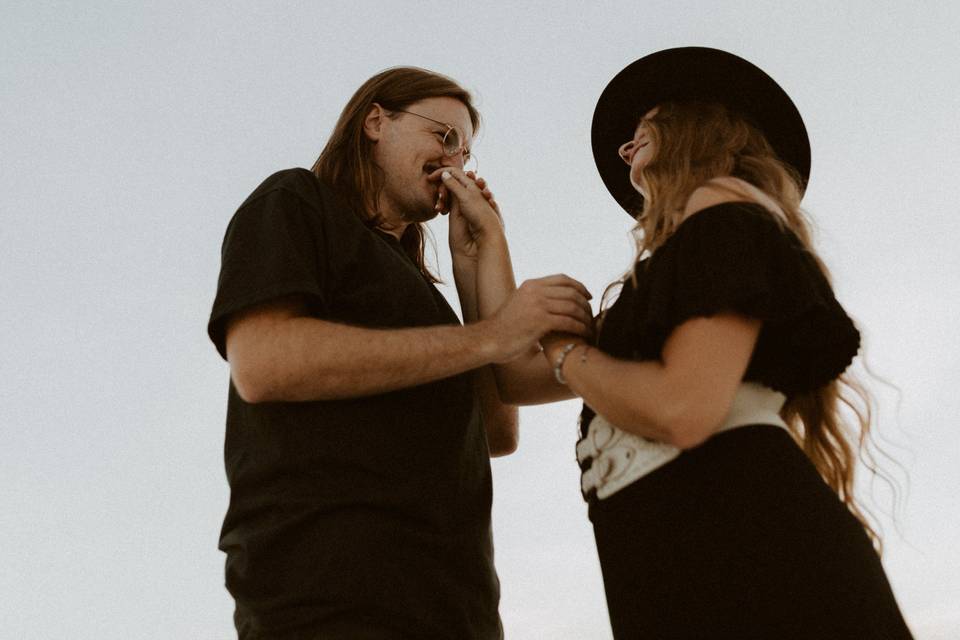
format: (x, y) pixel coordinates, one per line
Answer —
(130, 133)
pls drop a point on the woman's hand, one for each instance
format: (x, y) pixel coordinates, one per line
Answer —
(473, 211)
(443, 199)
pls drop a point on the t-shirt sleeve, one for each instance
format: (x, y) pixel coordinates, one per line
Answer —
(273, 248)
(735, 257)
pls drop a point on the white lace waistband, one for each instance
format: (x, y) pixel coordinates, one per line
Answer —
(620, 457)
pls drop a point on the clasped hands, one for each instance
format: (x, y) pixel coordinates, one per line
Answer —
(550, 311)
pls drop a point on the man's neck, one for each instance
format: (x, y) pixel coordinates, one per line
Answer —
(392, 223)
(393, 228)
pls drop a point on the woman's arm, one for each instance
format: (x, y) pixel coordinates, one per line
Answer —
(683, 398)
(680, 400)
(500, 420)
(527, 379)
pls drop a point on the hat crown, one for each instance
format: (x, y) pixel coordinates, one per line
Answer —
(685, 74)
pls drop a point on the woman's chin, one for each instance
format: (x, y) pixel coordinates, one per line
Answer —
(636, 184)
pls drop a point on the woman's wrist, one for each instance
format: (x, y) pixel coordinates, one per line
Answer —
(492, 244)
(559, 349)
(578, 355)
(552, 343)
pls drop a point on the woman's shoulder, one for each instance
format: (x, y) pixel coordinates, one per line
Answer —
(723, 193)
(726, 217)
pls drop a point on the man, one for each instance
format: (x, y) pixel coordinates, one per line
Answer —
(361, 414)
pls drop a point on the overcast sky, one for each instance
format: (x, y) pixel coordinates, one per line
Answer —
(130, 134)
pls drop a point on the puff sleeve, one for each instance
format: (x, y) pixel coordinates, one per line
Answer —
(735, 257)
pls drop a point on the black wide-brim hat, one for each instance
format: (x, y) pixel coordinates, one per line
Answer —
(689, 74)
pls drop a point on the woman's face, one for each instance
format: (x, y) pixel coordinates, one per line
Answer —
(639, 151)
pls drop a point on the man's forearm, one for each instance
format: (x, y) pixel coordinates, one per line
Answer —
(303, 359)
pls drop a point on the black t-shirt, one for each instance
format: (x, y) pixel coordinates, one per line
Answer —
(736, 257)
(372, 509)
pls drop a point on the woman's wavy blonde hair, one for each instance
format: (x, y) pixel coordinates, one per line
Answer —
(694, 143)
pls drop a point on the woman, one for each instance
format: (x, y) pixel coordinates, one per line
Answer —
(724, 351)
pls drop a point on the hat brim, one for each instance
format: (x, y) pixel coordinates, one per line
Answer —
(692, 74)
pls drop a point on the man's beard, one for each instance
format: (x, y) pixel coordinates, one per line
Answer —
(418, 215)
(414, 210)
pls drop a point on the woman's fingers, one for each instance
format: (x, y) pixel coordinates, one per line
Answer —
(455, 185)
(458, 186)
(442, 205)
(467, 180)
(465, 190)
(458, 178)
(482, 184)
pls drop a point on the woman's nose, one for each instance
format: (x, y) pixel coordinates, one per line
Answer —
(626, 151)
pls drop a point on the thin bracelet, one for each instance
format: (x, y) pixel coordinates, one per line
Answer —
(561, 358)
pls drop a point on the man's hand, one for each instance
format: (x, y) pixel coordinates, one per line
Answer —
(553, 304)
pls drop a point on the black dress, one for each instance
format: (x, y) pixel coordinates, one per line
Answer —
(739, 537)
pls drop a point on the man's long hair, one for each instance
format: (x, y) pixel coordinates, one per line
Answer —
(695, 142)
(346, 162)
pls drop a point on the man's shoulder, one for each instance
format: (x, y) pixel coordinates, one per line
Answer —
(298, 182)
(300, 194)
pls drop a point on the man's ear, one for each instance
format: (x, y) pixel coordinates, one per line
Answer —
(373, 122)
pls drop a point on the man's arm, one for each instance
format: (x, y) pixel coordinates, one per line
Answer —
(277, 353)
